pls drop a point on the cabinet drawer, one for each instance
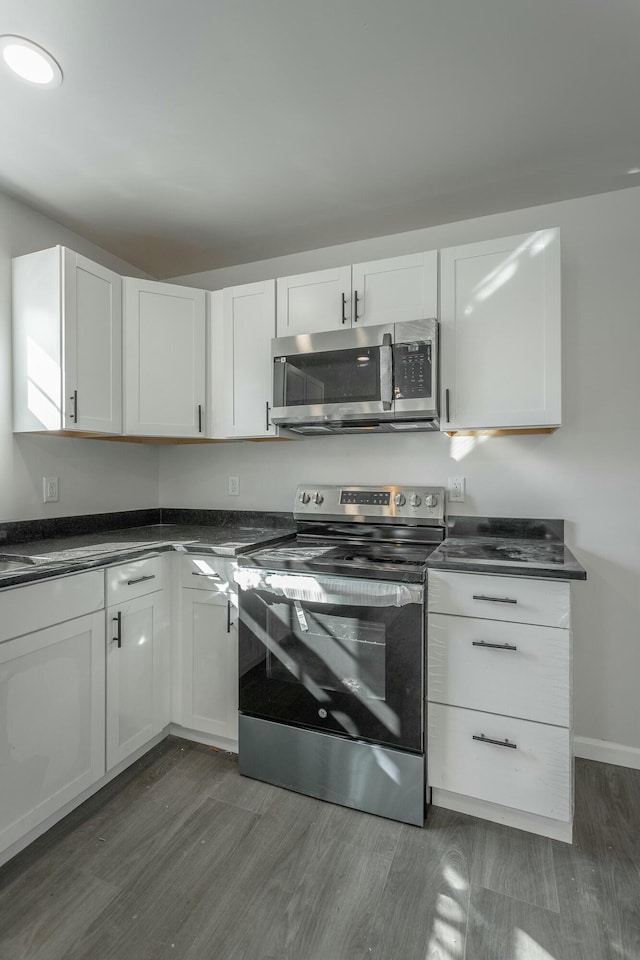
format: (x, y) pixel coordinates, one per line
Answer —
(517, 669)
(517, 599)
(134, 579)
(38, 605)
(208, 573)
(535, 776)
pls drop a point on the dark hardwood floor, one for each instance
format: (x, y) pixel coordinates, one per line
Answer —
(182, 858)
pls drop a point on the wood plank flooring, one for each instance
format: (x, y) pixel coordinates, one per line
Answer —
(182, 858)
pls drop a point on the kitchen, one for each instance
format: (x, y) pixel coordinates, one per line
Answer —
(574, 473)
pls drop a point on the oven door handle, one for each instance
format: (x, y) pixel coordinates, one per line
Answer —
(386, 372)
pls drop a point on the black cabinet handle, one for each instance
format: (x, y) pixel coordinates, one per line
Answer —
(74, 399)
(355, 306)
(344, 307)
(209, 576)
(497, 743)
(150, 576)
(229, 624)
(480, 596)
(118, 619)
(199, 418)
(267, 412)
(446, 405)
(493, 646)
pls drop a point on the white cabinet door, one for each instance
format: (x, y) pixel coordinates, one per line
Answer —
(500, 333)
(92, 346)
(249, 324)
(210, 663)
(67, 343)
(164, 359)
(52, 729)
(137, 675)
(395, 290)
(312, 302)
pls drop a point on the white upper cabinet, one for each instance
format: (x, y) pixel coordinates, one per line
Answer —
(500, 333)
(165, 359)
(382, 291)
(311, 302)
(67, 344)
(394, 290)
(243, 324)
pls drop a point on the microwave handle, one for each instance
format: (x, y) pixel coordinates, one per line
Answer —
(386, 378)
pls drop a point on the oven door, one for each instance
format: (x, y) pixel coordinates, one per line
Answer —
(341, 375)
(333, 654)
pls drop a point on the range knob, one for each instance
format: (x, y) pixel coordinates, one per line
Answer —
(399, 499)
(415, 500)
(431, 500)
(317, 497)
(304, 497)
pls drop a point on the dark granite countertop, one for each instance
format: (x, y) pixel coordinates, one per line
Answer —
(517, 549)
(54, 557)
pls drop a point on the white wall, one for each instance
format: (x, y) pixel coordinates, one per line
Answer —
(95, 476)
(587, 473)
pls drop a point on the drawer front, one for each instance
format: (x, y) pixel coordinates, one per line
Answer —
(202, 572)
(517, 669)
(38, 605)
(535, 776)
(134, 579)
(518, 599)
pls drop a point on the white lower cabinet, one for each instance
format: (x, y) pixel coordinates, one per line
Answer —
(499, 699)
(52, 704)
(137, 657)
(209, 640)
(136, 675)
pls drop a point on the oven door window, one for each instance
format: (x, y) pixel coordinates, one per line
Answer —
(333, 376)
(350, 667)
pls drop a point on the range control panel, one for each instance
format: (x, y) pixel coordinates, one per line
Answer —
(384, 504)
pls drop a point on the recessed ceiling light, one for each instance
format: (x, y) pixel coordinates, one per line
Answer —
(30, 62)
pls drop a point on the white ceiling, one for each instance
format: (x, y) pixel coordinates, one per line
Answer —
(196, 134)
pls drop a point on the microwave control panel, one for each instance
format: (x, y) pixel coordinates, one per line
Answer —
(412, 370)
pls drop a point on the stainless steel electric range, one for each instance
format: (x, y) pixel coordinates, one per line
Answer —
(332, 646)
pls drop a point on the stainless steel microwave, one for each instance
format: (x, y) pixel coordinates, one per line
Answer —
(382, 378)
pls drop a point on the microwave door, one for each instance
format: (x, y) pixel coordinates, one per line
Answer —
(333, 377)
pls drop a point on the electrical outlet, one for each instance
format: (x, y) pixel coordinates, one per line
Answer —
(49, 489)
(456, 489)
(234, 486)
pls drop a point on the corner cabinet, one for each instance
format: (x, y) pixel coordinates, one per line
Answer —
(67, 344)
(500, 333)
(380, 291)
(499, 699)
(243, 323)
(164, 359)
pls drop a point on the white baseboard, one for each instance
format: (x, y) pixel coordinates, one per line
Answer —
(186, 733)
(607, 752)
(520, 819)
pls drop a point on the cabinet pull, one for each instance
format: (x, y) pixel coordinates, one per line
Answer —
(480, 596)
(229, 624)
(493, 646)
(344, 307)
(199, 418)
(118, 619)
(150, 576)
(74, 400)
(355, 306)
(446, 405)
(210, 576)
(267, 411)
(498, 743)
